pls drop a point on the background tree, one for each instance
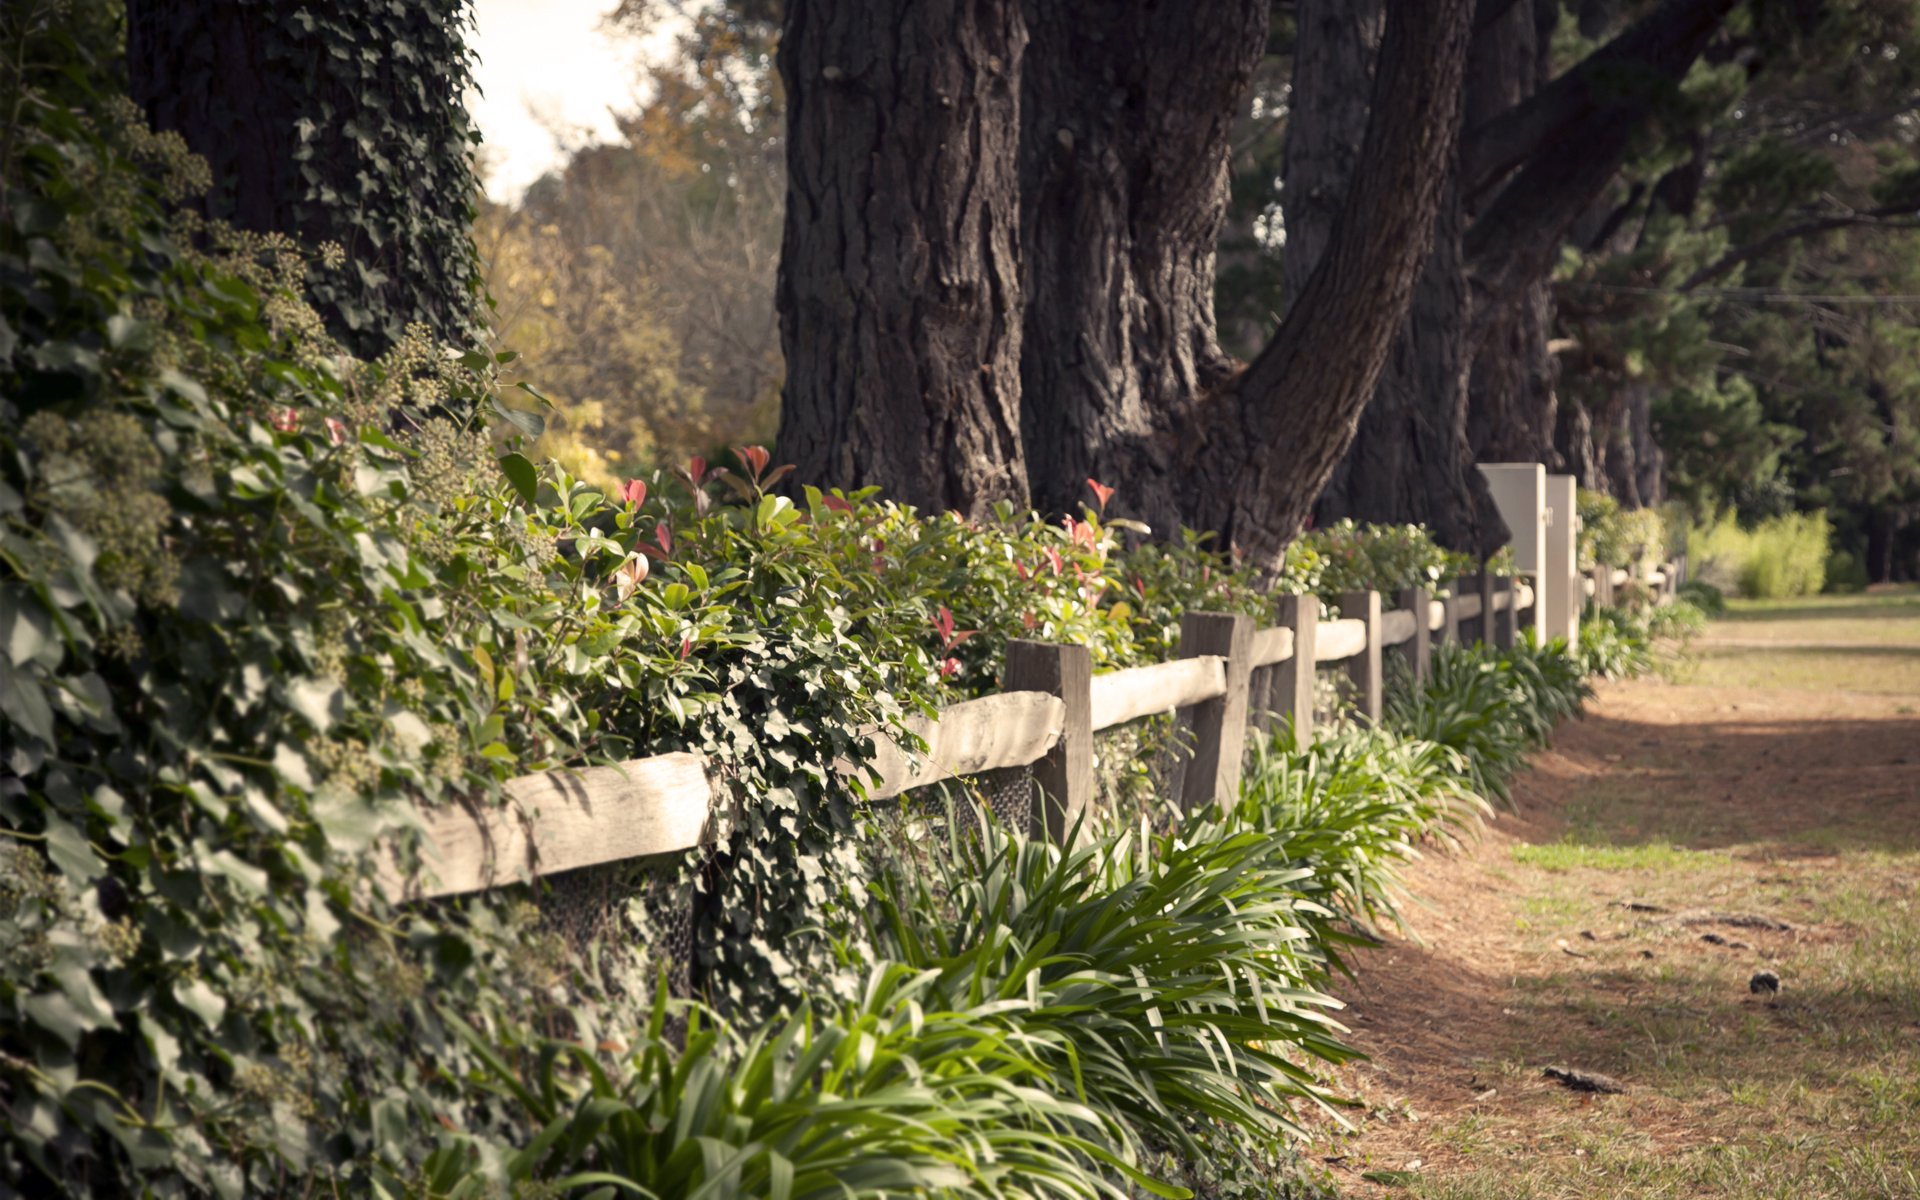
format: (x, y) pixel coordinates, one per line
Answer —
(339, 122)
(1122, 140)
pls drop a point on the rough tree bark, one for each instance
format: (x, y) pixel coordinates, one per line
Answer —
(899, 293)
(1126, 113)
(1410, 460)
(338, 121)
(1274, 437)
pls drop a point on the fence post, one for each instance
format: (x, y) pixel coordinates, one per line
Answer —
(1483, 583)
(1293, 677)
(1364, 668)
(1450, 612)
(1417, 650)
(1220, 725)
(1065, 775)
(1504, 619)
(1602, 585)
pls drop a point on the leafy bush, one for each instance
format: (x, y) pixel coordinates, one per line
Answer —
(1384, 558)
(893, 1093)
(1352, 805)
(1780, 557)
(1710, 600)
(1171, 971)
(1490, 706)
(1617, 537)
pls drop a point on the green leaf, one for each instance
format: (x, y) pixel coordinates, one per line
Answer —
(531, 424)
(199, 998)
(68, 849)
(320, 701)
(521, 474)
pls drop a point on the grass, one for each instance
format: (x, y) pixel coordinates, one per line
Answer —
(1861, 643)
(1885, 671)
(1806, 813)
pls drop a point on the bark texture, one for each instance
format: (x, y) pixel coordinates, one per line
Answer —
(899, 293)
(1126, 113)
(1275, 436)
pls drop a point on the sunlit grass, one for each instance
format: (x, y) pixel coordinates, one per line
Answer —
(1569, 855)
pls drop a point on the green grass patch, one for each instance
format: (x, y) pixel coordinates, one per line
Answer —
(1570, 855)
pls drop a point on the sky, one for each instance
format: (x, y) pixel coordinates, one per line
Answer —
(546, 65)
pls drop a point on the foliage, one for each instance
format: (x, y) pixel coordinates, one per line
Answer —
(1490, 706)
(1170, 971)
(1781, 556)
(1710, 600)
(892, 1093)
(1384, 558)
(1618, 537)
(368, 144)
(637, 281)
(1353, 804)
(258, 603)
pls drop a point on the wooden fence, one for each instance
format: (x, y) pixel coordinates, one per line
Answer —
(1232, 673)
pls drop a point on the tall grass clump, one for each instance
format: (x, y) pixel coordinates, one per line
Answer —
(1780, 557)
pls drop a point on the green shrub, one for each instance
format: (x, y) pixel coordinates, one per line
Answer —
(1352, 805)
(1490, 706)
(1845, 573)
(1780, 557)
(1383, 558)
(1172, 971)
(1710, 600)
(1616, 537)
(894, 1093)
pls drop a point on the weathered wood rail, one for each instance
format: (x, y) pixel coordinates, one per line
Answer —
(1231, 673)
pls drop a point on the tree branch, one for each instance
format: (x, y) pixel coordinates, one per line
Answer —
(1662, 44)
(1806, 229)
(1291, 415)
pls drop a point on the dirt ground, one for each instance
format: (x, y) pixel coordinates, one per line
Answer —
(1673, 843)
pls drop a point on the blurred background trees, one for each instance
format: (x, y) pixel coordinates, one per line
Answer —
(636, 282)
(1726, 326)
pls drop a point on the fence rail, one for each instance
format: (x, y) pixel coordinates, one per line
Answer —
(564, 820)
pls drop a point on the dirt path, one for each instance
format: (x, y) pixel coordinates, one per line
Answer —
(1613, 926)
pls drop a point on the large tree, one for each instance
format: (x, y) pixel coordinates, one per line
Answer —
(979, 186)
(332, 121)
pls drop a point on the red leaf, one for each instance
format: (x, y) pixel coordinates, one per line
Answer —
(754, 458)
(1053, 559)
(286, 420)
(686, 645)
(634, 492)
(836, 504)
(949, 668)
(666, 539)
(1101, 492)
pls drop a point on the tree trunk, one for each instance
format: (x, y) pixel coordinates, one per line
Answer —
(899, 293)
(1267, 445)
(1126, 113)
(337, 121)
(1409, 462)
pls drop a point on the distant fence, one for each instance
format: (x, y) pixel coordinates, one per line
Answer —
(1232, 673)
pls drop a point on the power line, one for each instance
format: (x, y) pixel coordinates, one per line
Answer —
(1761, 295)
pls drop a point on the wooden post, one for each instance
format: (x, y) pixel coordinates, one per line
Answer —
(1418, 649)
(1602, 585)
(1364, 667)
(1065, 775)
(1450, 612)
(1483, 583)
(1219, 726)
(1503, 619)
(1293, 677)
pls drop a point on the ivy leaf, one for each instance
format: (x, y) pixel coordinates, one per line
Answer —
(320, 701)
(521, 474)
(200, 999)
(68, 849)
